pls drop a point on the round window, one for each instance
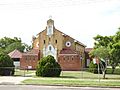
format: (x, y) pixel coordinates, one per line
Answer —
(68, 43)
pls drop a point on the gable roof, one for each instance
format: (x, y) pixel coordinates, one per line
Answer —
(15, 54)
(88, 49)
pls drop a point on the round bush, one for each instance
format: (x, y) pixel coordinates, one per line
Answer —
(48, 67)
(6, 65)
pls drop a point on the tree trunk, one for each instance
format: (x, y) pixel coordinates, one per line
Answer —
(113, 69)
(103, 74)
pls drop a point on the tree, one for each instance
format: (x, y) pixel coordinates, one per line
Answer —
(6, 65)
(48, 67)
(114, 48)
(102, 54)
(102, 41)
(4, 42)
(8, 44)
(112, 44)
(16, 45)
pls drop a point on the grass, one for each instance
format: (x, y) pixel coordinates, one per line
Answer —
(77, 78)
(117, 71)
(72, 82)
(86, 75)
(19, 72)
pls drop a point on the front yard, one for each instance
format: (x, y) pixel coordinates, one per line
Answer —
(77, 78)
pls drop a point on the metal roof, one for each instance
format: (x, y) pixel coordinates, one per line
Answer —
(15, 54)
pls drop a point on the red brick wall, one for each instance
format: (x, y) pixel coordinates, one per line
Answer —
(28, 60)
(71, 62)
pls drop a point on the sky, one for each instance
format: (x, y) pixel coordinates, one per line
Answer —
(81, 19)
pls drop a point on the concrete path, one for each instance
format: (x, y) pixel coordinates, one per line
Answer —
(12, 80)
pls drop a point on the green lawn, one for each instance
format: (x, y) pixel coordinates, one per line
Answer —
(86, 75)
(77, 78)
(73, 82)
(19, 72)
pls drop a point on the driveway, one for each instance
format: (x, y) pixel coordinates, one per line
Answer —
(12, 79)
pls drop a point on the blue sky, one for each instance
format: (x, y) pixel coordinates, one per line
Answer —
(81, 19)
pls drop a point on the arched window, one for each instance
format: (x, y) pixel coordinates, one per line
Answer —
(50, 48)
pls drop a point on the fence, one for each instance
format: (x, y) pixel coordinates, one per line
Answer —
(82, 74)
(12, 71)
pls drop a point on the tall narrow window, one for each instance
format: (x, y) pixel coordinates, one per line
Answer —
(72, 58)
(44, 41)
(56, 41)
(50, 48)
(49, 39)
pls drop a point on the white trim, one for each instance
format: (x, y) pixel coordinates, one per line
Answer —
(47, 51)
(68, 44)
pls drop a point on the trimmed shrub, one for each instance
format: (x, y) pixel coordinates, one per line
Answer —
(6, 65)
(48, 67)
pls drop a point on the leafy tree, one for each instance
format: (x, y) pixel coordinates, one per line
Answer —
(102, 54)
(114, 48)
(48, 67)
(4, 42)
(101, 50)
(27, 47)
(6, 65)
(102, 41)
(112, 45)
(8, 44)
(13, 46)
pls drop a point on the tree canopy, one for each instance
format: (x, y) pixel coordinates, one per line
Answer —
(108, 47)
(6, 65)
(9, 44)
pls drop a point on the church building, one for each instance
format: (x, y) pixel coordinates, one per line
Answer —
(67, 51)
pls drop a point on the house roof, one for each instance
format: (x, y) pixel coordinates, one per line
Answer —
(69, 51)
(15, 54)
(32, 52)
(88, 49)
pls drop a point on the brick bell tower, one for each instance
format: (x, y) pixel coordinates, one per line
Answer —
(50, 27)
(49, 48)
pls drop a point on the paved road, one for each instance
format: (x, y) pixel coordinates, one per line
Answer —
(32, 87)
